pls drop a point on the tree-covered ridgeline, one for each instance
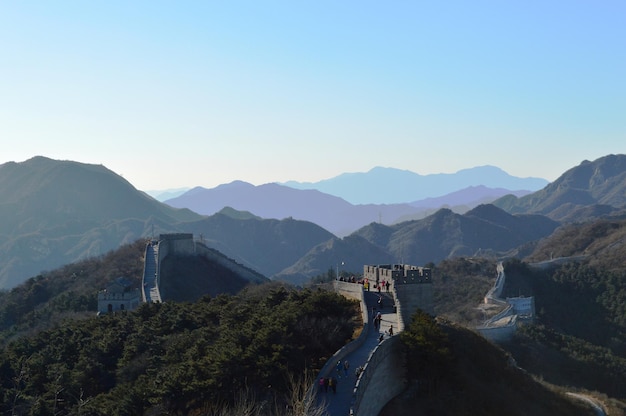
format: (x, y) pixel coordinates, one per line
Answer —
(454, 371)
(71, 290)
(577, 299)
(175, 358)
(579, 337)
(428, 355)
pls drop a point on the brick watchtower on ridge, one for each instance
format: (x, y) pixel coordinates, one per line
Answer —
(412, 286)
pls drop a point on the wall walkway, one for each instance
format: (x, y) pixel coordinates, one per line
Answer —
(382, 376)
(150, 283)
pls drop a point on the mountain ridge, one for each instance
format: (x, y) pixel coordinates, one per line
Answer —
(598, 182)
(56, 212)
(335, 214)
(486, 229)
(390, 185)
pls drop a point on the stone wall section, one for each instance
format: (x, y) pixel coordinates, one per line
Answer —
(411, 297)
(517, 310)
(183, 244)
(382, 378)
(217, 257)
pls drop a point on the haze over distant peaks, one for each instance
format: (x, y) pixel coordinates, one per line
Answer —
(390, 186)
(165, 194)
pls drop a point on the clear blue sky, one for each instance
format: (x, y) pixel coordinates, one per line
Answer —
(184, 93)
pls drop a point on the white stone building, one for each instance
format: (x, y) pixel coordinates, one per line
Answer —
(118, 296)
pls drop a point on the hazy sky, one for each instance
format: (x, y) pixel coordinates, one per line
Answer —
(185, 93)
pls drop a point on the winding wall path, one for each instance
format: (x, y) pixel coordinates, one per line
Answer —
(350, 397)
(150, 292)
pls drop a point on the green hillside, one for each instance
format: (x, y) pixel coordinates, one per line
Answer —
(58, 212)
(598, 243)
(599, 182)
(456, 372)
(71, 291)
(177, 358)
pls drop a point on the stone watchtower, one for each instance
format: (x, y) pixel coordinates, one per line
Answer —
(412, 286)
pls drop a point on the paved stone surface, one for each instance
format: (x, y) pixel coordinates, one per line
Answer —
(339, 403)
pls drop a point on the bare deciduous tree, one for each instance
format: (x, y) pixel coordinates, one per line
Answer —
(302, 397)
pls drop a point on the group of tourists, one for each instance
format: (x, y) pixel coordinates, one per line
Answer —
(378, 285)
(326, 382)
(350, 279)
(385, 284)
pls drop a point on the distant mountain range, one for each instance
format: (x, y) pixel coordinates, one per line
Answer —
(57, 212)
(394, 186)
(330, 212)
(165, 194)
(383, 186)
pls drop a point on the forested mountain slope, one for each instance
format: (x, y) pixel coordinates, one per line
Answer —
(71, 291)
(178, 358)
(600, 243)
(447, 361)
(446, 234)
(57, 212)
(600, 182)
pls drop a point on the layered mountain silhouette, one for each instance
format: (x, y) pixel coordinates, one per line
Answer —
(278, 201)
(330, 212)
(58, 212)
(391, 186)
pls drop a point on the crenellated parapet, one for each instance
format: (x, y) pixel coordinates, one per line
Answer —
(397, 273)
(411, 286)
